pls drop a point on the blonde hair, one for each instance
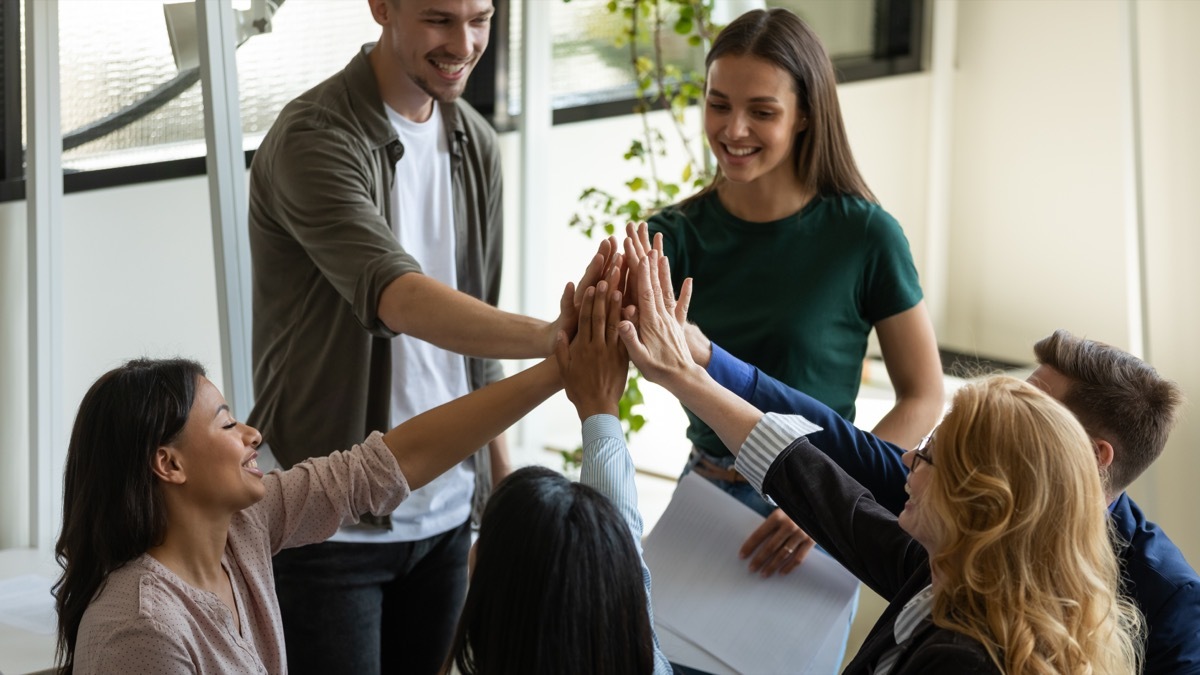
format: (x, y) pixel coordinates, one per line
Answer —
(1026, 563)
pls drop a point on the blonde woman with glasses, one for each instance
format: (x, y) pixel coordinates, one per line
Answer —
(1001, 560)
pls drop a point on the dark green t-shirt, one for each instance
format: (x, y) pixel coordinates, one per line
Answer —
(796, 297)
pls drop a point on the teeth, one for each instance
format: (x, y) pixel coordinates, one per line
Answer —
(740, 152)
(449, 68)
(253, 464)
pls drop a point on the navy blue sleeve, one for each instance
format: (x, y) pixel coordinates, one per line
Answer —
(1173, 645)
(868, 459)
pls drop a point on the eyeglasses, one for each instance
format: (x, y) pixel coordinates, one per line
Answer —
(921, 452)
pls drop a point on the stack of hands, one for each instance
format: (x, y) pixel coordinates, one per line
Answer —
(625, 309)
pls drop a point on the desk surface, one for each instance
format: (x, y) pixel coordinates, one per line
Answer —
(22, 651)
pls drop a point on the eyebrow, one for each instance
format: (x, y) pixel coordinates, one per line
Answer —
(223, 406)
(443, 14)
(756, 99)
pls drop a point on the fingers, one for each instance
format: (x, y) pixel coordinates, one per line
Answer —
(778, 545)
(597, 268)
(684, 302)
(802, 549)
(613, 318)
(597, 300)
(664, 282)
(562, 354)
(756, 538)
(585, 314)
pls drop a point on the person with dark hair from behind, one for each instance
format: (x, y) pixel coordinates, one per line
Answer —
(1000, 561)
(558, 584)
(1126, 408)
(169, 526)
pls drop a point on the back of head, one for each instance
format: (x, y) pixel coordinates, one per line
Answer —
(1025, 563)
(112, 507)
(824, 161)
(1117, 397)
(557, 585)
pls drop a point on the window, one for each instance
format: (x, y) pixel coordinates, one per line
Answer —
(593, 77)
(131, 113)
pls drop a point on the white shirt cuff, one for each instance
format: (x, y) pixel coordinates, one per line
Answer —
(773, 433)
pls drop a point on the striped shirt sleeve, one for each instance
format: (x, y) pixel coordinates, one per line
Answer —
(773, 433)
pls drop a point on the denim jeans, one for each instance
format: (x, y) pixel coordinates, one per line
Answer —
(746, 494)
(365, 609)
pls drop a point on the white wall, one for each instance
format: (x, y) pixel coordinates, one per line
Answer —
(1170, 55)
(1041, 196)
(1037, 203)
(139, 282)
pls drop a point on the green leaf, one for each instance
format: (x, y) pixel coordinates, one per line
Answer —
(695, 41)
(684, 25)
(611, 6)
(636, 422)
(687, 172)
(631, 208)
(636, 184)
(609, 228)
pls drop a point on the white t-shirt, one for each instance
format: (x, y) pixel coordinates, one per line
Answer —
(424, 376)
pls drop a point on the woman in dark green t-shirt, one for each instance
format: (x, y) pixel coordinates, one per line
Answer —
(794, 261)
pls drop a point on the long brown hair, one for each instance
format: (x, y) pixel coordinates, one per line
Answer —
(112, 507)
(1025, 563)
(824, 163)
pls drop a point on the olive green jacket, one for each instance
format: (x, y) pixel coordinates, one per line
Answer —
(323, 251)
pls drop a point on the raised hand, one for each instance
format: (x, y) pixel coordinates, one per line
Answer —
(594, 365)
(637, 247)
(657, 344)
(603, 265)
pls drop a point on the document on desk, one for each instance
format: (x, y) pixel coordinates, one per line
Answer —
(711, 605)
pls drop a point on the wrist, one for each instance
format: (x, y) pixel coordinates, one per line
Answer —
(588, 409)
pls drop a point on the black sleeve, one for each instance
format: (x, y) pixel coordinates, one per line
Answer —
(841, 516)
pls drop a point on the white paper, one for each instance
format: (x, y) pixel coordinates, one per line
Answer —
(704, 594)
(679, 650)
(26, 603)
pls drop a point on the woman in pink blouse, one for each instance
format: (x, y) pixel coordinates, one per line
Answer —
(169, 526)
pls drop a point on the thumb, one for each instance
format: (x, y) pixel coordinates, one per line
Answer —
(633, 346)
(562, 353)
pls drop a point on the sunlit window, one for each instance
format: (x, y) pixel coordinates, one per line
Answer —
(116, 55)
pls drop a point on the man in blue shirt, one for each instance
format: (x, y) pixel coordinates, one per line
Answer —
(1123, 404)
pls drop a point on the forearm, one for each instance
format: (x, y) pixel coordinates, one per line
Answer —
(417, 305)
(498, 458)
(431, 443)
(727, 414)
(910, 420)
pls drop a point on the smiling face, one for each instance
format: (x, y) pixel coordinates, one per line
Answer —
(428, 48)
(915, 518)
(752, 118)
(216, 455)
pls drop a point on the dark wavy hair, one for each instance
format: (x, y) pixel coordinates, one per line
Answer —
(557, 586)
(824, 161)
(112, 506)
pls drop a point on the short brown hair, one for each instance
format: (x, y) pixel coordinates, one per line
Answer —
(1117, 397)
